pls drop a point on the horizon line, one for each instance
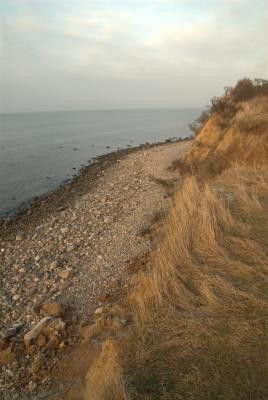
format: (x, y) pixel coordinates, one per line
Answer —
(102, 109)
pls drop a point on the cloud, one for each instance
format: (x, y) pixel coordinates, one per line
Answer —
(134, 54)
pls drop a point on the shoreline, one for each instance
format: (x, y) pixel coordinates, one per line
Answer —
(75, 248)
(64, 195)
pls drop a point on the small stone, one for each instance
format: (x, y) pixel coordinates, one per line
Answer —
(52, 309)
(37, 258)
(20, 237)
(99, 311)
(54, 265)
(67, 274)
(108, 220)
(70, 248)
(64, 230)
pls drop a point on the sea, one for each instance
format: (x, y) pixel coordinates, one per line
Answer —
(40, 151)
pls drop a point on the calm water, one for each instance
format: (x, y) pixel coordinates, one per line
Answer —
(38, 151)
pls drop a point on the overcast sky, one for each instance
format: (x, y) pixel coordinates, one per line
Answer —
(82, 54)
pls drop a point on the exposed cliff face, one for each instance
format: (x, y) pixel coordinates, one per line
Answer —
(222, 141)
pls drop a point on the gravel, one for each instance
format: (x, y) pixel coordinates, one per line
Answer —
(70, 254)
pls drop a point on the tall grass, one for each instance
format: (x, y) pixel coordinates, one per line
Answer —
(200, 312)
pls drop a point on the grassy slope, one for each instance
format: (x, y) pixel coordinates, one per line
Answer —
(200, 311)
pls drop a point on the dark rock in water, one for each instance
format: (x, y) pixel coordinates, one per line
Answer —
(48, 177)
(108, 147)
(75, 149)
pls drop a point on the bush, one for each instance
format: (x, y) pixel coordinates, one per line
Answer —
(244, 90)
(226, 105)
(198, 124)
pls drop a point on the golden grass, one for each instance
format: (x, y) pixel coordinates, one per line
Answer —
(200, 313)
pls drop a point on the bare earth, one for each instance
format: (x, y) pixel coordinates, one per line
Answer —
(72, 255)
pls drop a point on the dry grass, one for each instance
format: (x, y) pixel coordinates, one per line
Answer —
(235, 129)
(201, 323)
(200, 328)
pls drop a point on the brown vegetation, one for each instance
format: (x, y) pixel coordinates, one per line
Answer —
(234, 129)
(200, 328)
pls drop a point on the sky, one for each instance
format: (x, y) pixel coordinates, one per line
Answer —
(116, 54)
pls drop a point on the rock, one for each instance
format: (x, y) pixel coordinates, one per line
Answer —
(12, 331)
(20, 237)
(67, 273)
(70, 248)
(37, 258)
(33, 334)
(55, 264)
(99, 311)
(52, 309)
(108, 220)
(64, 230)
